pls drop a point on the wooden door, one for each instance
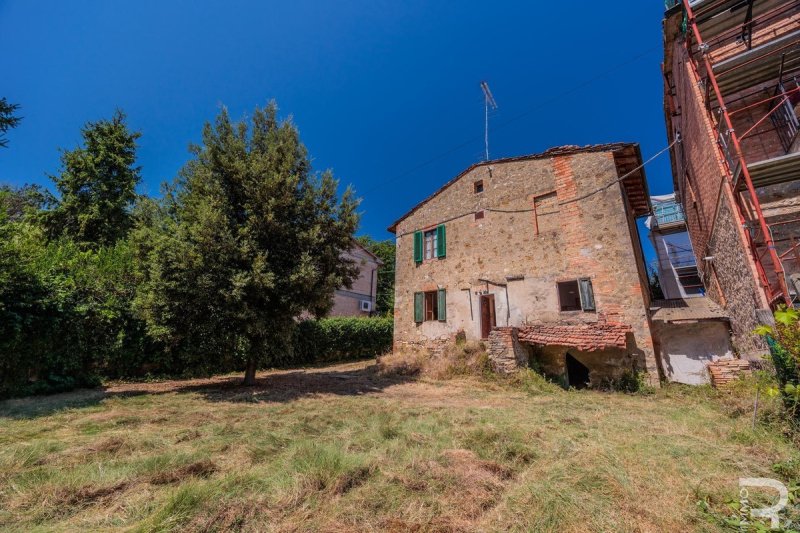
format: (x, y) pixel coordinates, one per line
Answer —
(488, 317)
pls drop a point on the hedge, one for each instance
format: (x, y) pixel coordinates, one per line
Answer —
(341, 338)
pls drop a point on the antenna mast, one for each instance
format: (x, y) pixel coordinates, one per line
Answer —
(488, 101)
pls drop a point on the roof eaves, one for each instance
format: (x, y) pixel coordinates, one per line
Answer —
(552, 152)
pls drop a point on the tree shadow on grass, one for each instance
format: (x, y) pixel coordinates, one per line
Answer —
(274, 387)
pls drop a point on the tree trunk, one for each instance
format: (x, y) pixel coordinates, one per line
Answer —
(250, 372)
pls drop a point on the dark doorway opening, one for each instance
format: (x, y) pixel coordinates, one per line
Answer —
(577, 373)
(488, 316)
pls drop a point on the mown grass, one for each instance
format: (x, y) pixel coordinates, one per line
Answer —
(347, 449)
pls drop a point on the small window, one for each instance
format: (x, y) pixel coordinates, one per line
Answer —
(577, 295)
(478, 215)
(431, 243)
(478, 186)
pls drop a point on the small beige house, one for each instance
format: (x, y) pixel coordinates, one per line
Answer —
(358, 300)
(538, 255)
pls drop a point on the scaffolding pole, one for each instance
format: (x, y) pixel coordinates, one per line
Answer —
(772, 296)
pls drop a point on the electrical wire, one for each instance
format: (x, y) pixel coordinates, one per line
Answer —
(677, 140)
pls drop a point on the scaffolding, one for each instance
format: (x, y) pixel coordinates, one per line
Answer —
(746, 54)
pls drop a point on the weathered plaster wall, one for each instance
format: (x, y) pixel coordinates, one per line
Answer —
(686, 349)
(589, 238)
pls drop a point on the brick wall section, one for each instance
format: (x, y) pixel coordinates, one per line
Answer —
(700, 168)
(712, 218)
(590, 238)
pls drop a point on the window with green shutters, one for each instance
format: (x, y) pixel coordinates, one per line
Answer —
(430, 244)
(442, 305)
(418, 247)
(441, 241)
(430, 306)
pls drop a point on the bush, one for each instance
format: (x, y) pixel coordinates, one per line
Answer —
(630, 381)
(341, 338)
(458, 359)
(784, 346)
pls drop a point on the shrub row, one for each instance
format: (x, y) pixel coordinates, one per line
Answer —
(340, 338)
(314, 341)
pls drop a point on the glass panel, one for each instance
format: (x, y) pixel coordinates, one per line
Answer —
(679, 250)
(430, 244)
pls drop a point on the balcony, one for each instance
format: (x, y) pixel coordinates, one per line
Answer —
(668, 214)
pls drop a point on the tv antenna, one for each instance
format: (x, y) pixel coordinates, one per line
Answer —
(488, 101)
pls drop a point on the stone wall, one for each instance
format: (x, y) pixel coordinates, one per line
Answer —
(731, 284)
(603, 365)
(505, 351)
(503, 255)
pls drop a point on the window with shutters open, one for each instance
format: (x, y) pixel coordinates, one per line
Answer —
(430, 244)
(430, 306)
(576, 295)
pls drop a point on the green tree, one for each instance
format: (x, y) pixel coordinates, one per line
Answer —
(65, 310)
(97, 184)
(246, 241)
(8, 119)
(656, 291)
(385, 250)
(26, 202)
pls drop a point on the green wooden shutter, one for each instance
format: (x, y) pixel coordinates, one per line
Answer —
(441, 241)
(587, 294)
(442, 305)
(418, 247)
(419, 303)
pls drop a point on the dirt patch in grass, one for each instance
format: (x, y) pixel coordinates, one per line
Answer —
(69, 500)
(351, 479)
(200, 469)
(466, 487)
(111, 445)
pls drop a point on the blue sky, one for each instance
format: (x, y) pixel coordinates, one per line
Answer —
(385, 93)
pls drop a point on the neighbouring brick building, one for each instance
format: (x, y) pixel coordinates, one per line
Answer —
(359, 299)
(731, 71)
(540, 256)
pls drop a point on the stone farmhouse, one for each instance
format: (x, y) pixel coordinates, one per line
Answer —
(538, 255)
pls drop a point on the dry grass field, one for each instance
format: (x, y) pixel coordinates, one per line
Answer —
(346, 448)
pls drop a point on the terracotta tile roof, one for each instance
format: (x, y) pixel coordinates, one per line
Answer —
(587, 337)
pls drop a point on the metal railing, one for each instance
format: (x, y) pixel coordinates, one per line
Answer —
(784, 118)
(668, 213)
